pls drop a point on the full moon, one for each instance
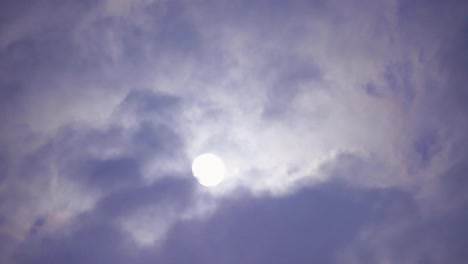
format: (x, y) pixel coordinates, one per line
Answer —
(208, 169)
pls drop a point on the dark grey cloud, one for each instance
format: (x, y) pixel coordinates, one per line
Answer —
(173, 192)
(309, 226)
(95, 236)
(111, 173)
(80, 168)
(94, 244)
(418, 240)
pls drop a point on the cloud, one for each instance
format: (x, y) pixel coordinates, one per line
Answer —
(99, 242)
(104, 105)
(245, 229)
(310, 225)
(81, 167)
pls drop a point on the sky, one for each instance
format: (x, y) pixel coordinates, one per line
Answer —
(342, 126)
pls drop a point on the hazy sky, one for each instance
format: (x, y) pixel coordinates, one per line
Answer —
(342, 125)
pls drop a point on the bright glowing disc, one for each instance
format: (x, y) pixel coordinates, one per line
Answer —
(208, 169)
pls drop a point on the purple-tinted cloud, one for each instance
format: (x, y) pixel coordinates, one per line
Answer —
(341, 123)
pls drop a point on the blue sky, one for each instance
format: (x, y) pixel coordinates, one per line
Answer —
(342, 125)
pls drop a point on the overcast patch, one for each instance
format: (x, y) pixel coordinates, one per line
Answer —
(341, 125)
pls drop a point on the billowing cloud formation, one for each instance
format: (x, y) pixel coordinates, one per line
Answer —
(342, 126)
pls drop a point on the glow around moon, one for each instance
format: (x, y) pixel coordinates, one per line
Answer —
(208, 169)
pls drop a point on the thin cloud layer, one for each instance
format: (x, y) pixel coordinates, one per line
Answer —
(341, 125)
